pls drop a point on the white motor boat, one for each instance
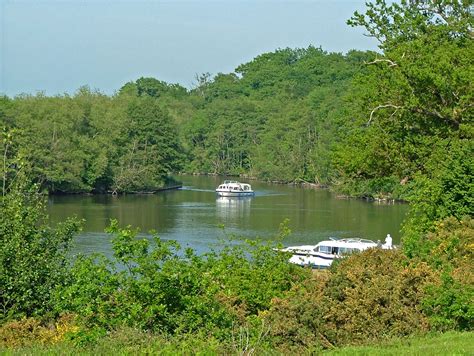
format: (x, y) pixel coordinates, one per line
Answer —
(325, 252)
(231, 188)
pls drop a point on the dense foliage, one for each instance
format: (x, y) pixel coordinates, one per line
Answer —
(91, 142)
(367, 297)
(33, 260)
(418, 137)
(276, 117)
(154, 286)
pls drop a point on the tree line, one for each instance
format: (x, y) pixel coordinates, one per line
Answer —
(91, 142)
(276, 117)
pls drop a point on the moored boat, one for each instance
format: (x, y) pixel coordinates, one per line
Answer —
(231, 188)
(325, 252)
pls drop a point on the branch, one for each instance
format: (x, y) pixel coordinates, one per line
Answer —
(434, 113)
(326, 341)
(390, 62)
(378, 38)
(382, 107)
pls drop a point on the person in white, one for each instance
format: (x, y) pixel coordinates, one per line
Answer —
(388, 242)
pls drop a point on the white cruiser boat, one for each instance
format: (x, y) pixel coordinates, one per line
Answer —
(322, 254)
(231, 188)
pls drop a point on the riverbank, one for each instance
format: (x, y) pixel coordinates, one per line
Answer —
(171, 185)
(368, 195)
(153, 191)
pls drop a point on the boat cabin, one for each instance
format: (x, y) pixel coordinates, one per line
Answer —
(234, 189)
(343, 246)
(234, 186)
(334, 250)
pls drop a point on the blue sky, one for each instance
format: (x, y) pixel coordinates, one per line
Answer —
(58, 46)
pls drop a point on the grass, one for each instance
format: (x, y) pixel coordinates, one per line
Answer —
(128, 343)
(451, 343)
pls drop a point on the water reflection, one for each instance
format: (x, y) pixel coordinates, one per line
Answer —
(233, 209)
(149, 212)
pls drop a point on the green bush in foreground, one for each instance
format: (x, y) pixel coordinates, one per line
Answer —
(450, 303)
(33, 258)
(155, 286)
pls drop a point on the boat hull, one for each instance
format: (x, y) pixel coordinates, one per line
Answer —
(234, 194)
(312, 260)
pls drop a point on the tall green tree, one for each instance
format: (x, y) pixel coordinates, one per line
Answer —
(148, 148)
(413, 109)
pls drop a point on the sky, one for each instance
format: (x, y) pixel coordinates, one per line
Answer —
(57, 46)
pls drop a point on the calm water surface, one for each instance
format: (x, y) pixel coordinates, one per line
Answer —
(192, 215)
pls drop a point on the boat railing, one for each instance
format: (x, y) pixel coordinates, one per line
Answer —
(230, 181)
(351, 240)
(357, 240)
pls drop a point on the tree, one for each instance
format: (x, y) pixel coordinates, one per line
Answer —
(149, 148)
(414, 112)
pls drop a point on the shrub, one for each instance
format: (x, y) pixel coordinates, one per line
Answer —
(154, 286)
(372, 295)
(446, 192)
(33, 256)
(449, 303)
(30, 331)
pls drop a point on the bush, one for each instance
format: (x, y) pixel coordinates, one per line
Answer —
(33, 256)
(372, 295)
(155, 286)
(30, 331)
(449, 303)
(448, 191)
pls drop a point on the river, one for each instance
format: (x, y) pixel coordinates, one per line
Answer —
(195, 217)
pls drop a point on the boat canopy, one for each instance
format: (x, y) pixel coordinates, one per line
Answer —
(343, 246)
(234, 186)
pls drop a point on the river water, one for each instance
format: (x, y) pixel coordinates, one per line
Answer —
(197, 218)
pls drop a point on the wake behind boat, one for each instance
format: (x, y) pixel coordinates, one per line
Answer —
(231, 188)
(325, 252)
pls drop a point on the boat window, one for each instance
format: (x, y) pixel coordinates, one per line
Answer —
(335, 250)
(324, 249)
